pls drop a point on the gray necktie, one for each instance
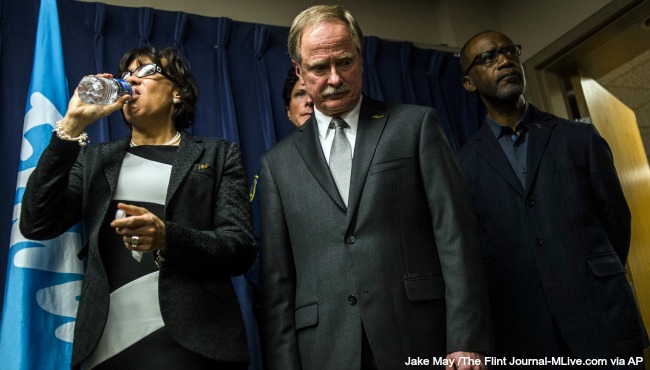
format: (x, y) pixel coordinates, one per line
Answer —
(341, 158)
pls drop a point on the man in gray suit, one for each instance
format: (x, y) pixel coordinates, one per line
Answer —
(370, 251)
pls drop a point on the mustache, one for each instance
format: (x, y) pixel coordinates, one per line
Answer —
(331, 90)
(511, 74)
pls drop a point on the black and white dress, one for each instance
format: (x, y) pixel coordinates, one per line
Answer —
(135, 336)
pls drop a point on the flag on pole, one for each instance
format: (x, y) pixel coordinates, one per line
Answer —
(43, 277)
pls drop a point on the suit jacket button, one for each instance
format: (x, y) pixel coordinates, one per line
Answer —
(350, 239)
(352, 300)
(539, 242)
(530, 202)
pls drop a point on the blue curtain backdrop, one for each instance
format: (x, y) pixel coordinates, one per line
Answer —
(240, 69)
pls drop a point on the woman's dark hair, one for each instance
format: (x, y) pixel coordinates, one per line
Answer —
(291, 80)
(177, 70)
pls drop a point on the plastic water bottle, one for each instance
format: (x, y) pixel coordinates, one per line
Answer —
(99, 90)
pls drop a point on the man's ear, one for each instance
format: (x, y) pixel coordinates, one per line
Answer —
(296, 66)
(468, 84)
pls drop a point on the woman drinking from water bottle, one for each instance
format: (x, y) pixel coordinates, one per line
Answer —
(167, 222)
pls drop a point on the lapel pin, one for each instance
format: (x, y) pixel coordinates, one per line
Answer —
(376, 116)
(203, 166)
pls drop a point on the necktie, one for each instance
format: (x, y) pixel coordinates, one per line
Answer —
(341, 158)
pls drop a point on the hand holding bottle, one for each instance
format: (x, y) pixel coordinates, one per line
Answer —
(81, 114)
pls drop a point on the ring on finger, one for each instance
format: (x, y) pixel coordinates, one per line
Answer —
(135, 240)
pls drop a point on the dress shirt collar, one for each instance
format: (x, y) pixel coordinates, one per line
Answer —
(351, 118)
(497, 129)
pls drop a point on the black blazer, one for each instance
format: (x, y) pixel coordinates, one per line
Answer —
(208, 230)
(403, 261)
(555, 250)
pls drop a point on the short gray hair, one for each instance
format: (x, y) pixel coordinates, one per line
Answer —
(319, 14)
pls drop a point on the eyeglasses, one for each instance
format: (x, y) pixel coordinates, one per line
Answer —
(491, 56)
(144, 71)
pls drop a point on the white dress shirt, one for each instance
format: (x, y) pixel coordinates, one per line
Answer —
(326, 135)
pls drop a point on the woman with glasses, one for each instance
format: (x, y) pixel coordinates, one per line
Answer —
(167, 222)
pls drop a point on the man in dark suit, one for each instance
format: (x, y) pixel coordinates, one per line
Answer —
(555, 226)
(383, 271)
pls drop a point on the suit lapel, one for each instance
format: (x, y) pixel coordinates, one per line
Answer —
(372, 121)
(541, 127)
(371, 124)
(488, 147)
(308, 145)
(113, 156)
(189, 150)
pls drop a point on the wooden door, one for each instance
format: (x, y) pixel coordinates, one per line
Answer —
(617, 124)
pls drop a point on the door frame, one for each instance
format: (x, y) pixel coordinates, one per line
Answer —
(588, 48)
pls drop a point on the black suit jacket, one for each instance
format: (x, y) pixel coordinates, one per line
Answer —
(556, 250)
(402, 262)
(208, 230)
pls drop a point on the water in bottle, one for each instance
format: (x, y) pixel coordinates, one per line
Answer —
(99, 90)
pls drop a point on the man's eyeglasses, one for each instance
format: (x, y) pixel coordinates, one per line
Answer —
(491, 56)
(144, 71)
